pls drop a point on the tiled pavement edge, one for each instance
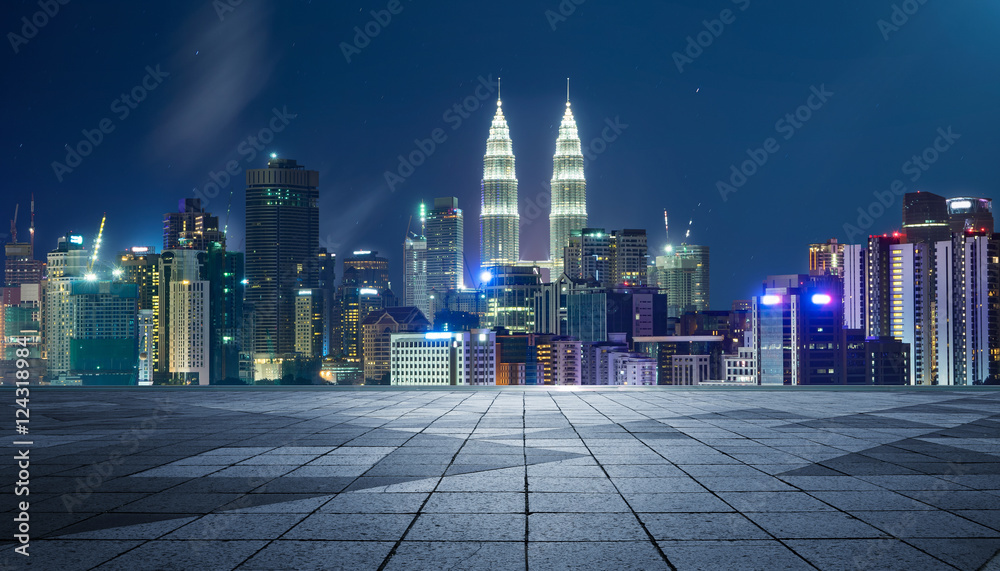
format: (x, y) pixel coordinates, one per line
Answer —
(513, 479)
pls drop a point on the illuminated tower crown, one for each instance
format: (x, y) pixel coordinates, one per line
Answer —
(499, 219)
(569, 188)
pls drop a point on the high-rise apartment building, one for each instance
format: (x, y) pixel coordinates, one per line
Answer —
(499, 219)
(282, 241)
(569, 189)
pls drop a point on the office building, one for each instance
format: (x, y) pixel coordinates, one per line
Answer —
(282, 241)
(443, 359)
(191, 227)
(587, 256)
(377, 330)
(629, 258)
(310, 322)
(683, 360)
(925, 218)
(615, 259)
(510, 298)
(66, 265)
(499, 221)
(146, 326)
(415, 290)
(826, 259)
(445, 254)
(517, 360)
(798, 335)
(968, 213)
(569, 189)
(189, 327)
(140, 265)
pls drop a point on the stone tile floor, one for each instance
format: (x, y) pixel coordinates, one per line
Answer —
(510, 479)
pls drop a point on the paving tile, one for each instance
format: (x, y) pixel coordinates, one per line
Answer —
(184, 555)
(593, 555)
(476, 502)
(345, 555)
(348, 527)
(762, 555)
(575, 503)
(705, 526)
(237, 526)
(676, 502)
(467, 527)
(814, 525)
(924, 524)
(457, 555)
(874, 554)
(584, 527)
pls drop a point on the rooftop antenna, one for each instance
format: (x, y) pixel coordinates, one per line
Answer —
(567, 90)
(499, 100)
(666, 224)
(31, 230)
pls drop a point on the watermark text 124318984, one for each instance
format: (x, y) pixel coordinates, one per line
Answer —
(21, 416)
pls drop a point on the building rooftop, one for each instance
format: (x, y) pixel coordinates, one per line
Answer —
(513, 478)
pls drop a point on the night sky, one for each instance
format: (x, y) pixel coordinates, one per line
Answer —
(352, 120)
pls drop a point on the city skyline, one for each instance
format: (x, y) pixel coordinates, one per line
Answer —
(685, 129)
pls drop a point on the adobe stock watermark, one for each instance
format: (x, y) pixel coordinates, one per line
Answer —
(787, 127)
(122, 107)
(250, 148)
(535, 207)
(697, 44)
(563, 11)
(899, 17)
(915, 168)
(225, 7)
(129, 443)
(455, 116)
(31, 26)
(363, 35)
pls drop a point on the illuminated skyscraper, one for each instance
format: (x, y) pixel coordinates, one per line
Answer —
(499, 221)
(282, 242)
(445, 254)
(415, 292)
(569, 188)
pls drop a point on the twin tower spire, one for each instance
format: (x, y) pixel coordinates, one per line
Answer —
(499, 218)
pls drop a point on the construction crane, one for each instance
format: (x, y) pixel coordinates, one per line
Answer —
(13, 225)
(97, 246)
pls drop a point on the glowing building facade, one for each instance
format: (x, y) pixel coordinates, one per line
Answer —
(499, 220)
(569, 189)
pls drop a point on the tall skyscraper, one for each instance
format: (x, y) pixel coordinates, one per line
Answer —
(569, 188)
(141, 266)
(282, 241)
(445, 254)
(365, 288)
(499, 221)
(67, 264)
(615, 259)
(925, 218)
(415, 292)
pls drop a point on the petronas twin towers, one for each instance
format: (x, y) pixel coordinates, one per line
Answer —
(499, 218)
